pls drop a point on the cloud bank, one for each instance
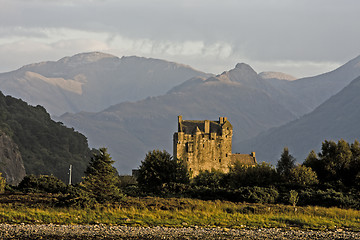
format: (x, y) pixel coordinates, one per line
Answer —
(302, 38)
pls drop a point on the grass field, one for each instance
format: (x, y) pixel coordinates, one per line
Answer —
(173, 212)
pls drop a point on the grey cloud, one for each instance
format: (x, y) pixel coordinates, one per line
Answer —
(256, 30)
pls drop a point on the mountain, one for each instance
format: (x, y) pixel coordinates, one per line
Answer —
(11, 163)
(313, 91)
(131, 129)
(336, 118)
(93, 81)
(252, 104)
(30, 139)
(277, 76)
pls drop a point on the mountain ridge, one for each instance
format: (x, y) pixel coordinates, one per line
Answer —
(335, 119)
(93, 81)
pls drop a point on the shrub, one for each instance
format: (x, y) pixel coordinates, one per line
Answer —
(260, 175)
(213, 179)
(42, 183)
(77, 197)
(257, 194)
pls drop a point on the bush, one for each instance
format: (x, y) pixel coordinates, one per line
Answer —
(213, 179)
(257, 194)
(329, 198)
(77, 197)
(260, 175)
(42, 183)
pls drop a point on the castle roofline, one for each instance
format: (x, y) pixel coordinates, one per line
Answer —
(203, 126)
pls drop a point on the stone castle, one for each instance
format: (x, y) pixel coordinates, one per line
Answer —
(206, 145)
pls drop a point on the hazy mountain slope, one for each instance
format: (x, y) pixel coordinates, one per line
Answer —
(315, 90)
(336, 118)
(46, 147)
(132, 129)
(277, 75)
(93, 81)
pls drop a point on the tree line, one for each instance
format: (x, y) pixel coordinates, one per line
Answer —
(329, 178)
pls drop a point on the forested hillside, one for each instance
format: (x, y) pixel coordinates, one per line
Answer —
(46, 147)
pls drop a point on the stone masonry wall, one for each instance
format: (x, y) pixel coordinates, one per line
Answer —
(205, 151)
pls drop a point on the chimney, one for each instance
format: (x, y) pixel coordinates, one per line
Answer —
(225, 119)
(207, 126)
(179, 123)
(221, 120)
(253, 154)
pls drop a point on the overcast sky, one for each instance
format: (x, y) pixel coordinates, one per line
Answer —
(302, 38)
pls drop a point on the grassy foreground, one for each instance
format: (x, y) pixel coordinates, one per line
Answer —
(39, 209)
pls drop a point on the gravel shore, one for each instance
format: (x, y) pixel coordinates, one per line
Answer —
(51, 231)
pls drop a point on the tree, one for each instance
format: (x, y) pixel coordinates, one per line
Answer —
(302, 175)
(285, 163)
(314, 163)
(213, 179)
(335, 161)
(101, 178)
(355, 163)
(293, 197)
(159, 172)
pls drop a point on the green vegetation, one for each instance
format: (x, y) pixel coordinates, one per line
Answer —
(174, 212)
(246, 197)
(42, 183)
(160, 173)
(101, 178)
(46, 147)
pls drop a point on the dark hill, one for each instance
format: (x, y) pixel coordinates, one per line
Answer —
(46, 147)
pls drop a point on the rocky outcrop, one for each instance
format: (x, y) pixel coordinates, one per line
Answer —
(11, 163)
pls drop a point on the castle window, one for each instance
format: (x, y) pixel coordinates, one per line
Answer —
(226, 155)
(219, 160)
(190, 147)
(203, 145)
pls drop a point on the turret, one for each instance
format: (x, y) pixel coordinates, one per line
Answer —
(179, 123)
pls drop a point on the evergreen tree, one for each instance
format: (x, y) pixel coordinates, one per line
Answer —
(285, 163)
(101, 178)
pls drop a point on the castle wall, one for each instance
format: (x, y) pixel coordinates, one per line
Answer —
(205, 150)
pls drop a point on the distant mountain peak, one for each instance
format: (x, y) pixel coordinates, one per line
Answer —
(85, 58)
(243, 66)
(241, 73)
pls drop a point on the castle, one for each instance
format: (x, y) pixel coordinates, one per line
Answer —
(206, 145)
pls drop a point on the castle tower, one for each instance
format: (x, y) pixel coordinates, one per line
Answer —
(203, 145)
